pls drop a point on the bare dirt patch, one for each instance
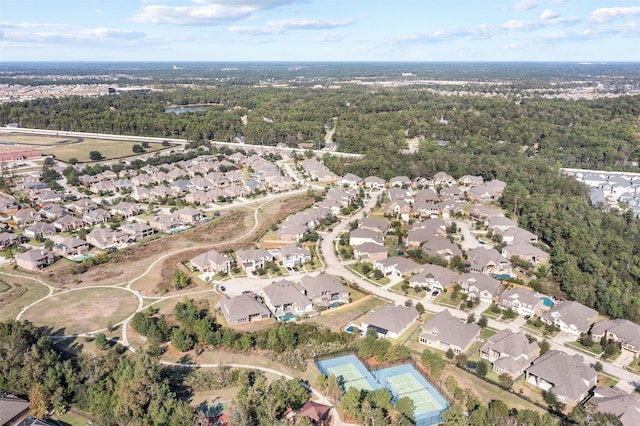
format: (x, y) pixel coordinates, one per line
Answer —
(83, 310)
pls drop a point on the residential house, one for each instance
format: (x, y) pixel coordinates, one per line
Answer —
(166, 223)
(401, 194)
(106, 238)
(480, 286)
(68, 223)
(483, 212)
(427, 195)
(83, 205)
(400, 181)
(96, 216)
(487, 261)
(189, 215)
(398, 267)
(12, 409)
(567, 376)
(370, 252)
(55, 211)
(521, 300)
(292, 232)
(137, 230)
(294, 254)
(243, 309)
(8, 239)
(398, 208)
(509, 352)
(619, 330)
(71, 246)
(434, 277)
(526, 252)
(572, 317)
(324, 289)
(285, 297)
(350, 180)
(40, 230)
(441, 247)
(373, 224)
(429, 209)
(498, 224)
(252, 258)
(469, 180)
(316, 413)
(623, 405)
(390, 321)
(445, 331)
(35, 259)
(516, 235)
(374, 182)
(127, 210)
(443, 179)
(361, 236)
(26, 217)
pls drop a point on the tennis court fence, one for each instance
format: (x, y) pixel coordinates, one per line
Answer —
(435, 383)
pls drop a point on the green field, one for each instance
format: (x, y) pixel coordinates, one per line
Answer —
(108, 149)
(3, 286)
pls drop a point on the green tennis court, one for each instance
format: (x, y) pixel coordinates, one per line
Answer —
(351, 377)
(407, 385)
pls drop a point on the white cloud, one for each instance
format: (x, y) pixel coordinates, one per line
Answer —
(525, 5)
(278, 27)
(205, 12)
(74, 37)
(480, 32)
(520, 25)
(332, 37)
(548, 14)
(609, 13)
(29, 25)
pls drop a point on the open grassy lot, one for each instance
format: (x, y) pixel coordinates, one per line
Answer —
(65, 148)
(3, 286)
(22, 293)
(109, 149)
(335, 319)
(83, 310)
(24, 139)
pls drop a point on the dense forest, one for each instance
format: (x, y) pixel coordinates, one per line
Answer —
(599, 133)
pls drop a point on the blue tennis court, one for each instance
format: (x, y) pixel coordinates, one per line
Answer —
(402, 380)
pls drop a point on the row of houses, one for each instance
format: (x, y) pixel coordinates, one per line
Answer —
(610, 188)
(290, 255)
(285, 299)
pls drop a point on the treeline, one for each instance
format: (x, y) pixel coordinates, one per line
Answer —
(117, 389)
(289, 343)
(596, 255)
(113, 388)
(594, 133)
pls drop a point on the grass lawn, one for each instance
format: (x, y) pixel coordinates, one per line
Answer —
(109, 149)
(3, 286)
(415, 292)
(357, 268)
(487, 332)
(409, 334)
(446, 299)
(72, 419)
(29, 292)
(634, 366)
(596, 349)
(606, 380)
(83, 310)
(336, 318)
(487, 391)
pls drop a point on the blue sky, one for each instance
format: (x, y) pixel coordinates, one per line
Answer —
(319, 30)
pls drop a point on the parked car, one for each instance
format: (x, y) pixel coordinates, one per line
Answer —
(435, 293)
(223, 288)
